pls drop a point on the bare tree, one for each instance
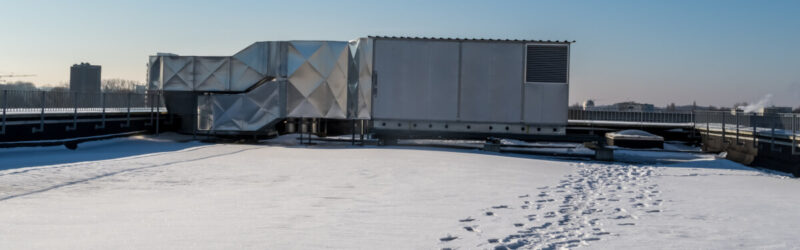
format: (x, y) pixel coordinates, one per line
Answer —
(671, 107)
(18, 86)
(118, 85)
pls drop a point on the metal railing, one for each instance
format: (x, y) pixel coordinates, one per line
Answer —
(45, 103)
(32, 102)
(630, 116)
(730, 124)
(780, 121)
(735, 124)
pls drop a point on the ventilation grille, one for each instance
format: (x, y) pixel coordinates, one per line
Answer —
(546, 63)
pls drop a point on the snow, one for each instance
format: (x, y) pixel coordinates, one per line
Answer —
(634, 134)
(715, 204)
(173, 193)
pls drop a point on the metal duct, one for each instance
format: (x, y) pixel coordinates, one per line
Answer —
(317, 79)
(251, 111)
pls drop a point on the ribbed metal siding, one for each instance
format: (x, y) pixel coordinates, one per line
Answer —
(546, 63)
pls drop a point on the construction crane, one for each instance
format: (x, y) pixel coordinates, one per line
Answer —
(12, 75)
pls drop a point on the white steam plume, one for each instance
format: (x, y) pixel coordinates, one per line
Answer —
(755, 107)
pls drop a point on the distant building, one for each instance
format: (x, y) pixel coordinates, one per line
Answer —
(634, 106)
(84, 77)
(775, 110)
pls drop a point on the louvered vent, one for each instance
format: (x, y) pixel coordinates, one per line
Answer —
(546, 63)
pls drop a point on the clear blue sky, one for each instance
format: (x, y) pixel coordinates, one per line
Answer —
(714, 52)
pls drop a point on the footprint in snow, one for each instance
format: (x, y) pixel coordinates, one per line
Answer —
(448, 238)
(619, 217)
(468, 219)
(583, 199)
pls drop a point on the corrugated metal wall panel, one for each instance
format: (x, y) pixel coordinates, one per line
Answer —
(416, 80)
(491, 82)
(546, 103)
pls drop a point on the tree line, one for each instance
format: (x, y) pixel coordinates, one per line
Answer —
(113, 85)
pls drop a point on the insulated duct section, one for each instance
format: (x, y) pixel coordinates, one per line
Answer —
(257, 63)
(361, 80)
(317, 79)
(263, 84)
(247, 112)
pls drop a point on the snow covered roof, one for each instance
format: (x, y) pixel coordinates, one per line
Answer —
(634, 134)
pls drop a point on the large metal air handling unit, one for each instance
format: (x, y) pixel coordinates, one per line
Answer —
(394, 86)
(469, 87)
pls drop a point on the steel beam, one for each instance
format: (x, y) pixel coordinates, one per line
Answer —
(103, 119)
(5, 106)
(794, 134)
(74, 112)
(41, 116)
(158, 110)
(128, 117)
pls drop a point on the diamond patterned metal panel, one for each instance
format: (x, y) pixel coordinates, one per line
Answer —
(294, 59)
(178, 73)
(363, 61)
(209, 73)
(264, 103)
(320, 78)
(243, 76)
(317, 74)
(212, 73)
(352, 82)
(306, 79)
(306, 48)
(337, 81)
(225, 109)
(294, 99)
(255, 56)
(322, 99)
(154, 73)
(323, 60)
(250, 111)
